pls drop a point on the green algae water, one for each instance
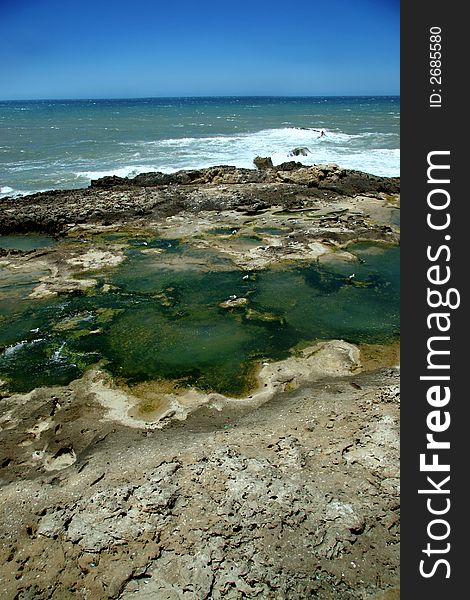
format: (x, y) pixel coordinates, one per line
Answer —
(166, 316)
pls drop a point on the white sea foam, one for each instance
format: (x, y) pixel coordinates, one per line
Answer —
(126, 171)
(355, 151)
(20, 193)
(6, 190)
(370, 151)
(347, 150)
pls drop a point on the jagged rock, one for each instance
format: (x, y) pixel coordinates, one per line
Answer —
(343, 181)
(52, 524)
(109, 181)
(116, 200)
(263, 163)
(289, 166)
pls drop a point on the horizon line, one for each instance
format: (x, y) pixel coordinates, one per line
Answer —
(188, 97)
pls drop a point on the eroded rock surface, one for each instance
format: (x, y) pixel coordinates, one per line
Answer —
(298, 498)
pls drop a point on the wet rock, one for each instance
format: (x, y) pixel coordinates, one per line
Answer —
(153, 179)
(299, 152)
(59, 286)
(109, 182)
(234, 302)
(244, 497)
(256, 315)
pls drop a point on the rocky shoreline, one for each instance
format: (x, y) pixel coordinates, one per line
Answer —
(289, 492)
(154, 196)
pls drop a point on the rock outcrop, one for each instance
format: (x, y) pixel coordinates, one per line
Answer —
(153, 195)
(263, 163)
(299, 152)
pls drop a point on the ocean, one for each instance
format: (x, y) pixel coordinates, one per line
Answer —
(63, 144)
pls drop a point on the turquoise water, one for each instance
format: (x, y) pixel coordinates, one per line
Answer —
(25, 242)
(65, 144)
(163, 319)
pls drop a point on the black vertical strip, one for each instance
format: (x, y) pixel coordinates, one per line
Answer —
(434, 118)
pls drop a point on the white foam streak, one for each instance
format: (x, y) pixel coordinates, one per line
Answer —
(126, 171)
(351, 151)
(7, 191)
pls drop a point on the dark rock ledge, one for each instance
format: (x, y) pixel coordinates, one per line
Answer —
(120, 200)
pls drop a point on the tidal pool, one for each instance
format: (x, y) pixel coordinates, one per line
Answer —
(25, 242)
(167, 317)
(271, 230)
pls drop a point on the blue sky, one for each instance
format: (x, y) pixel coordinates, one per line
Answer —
(143, 48)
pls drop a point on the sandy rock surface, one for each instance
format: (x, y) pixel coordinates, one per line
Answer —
(298, 498)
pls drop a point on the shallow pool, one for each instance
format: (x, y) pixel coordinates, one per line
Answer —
(163, 317)
(25, 242)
